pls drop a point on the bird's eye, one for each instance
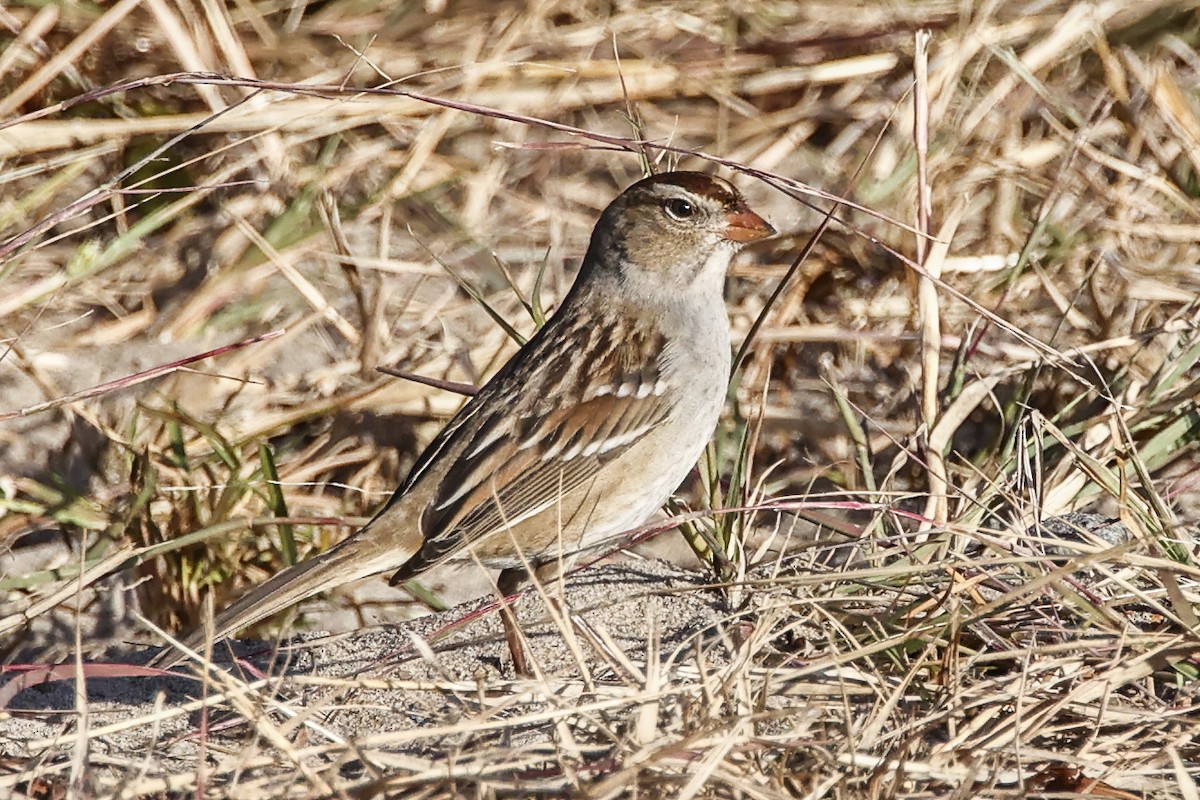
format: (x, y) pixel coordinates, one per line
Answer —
(680, 209)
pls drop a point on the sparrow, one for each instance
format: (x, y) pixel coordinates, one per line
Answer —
(585, 431)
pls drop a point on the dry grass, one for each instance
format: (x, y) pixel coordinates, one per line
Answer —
(1033, 352)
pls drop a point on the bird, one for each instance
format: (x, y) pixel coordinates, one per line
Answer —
(584, 433)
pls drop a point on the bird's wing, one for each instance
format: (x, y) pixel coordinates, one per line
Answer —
(510, 460)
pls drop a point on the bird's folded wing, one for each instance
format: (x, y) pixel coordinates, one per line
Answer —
(516, 468)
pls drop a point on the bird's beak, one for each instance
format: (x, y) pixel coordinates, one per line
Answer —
(743, 226)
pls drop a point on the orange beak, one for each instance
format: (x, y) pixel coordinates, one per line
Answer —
(746, 226)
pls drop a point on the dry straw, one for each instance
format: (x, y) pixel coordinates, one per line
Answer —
(996, 326)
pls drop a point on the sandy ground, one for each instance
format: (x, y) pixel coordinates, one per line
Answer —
(406, 687)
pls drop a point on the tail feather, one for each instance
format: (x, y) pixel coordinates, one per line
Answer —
(352, 559)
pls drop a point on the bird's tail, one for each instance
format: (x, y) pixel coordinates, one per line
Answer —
(354, 558)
